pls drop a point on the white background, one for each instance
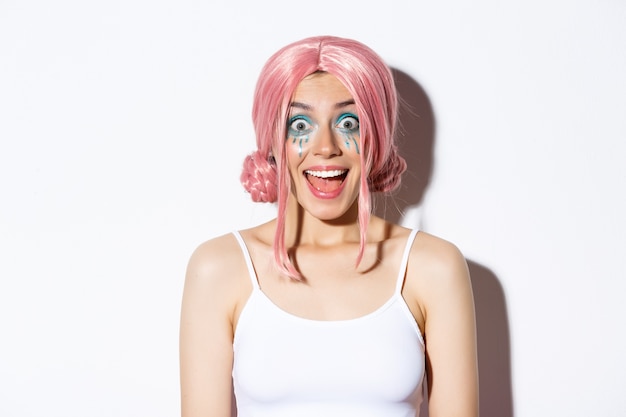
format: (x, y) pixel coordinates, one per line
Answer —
(123, 125)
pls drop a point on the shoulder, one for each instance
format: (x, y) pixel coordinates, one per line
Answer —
(432, 260)
(220, 263)
(217, 274)
(436, 256)
(436, 270)
(214, 257)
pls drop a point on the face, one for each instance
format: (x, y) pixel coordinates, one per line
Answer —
(322, 147)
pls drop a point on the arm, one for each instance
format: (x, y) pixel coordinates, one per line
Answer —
(206, 334)
(450, 331)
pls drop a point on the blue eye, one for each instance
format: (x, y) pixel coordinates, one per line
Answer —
(299, 125)
(348, 122)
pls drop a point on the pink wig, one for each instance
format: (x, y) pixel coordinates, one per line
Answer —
(369, 81)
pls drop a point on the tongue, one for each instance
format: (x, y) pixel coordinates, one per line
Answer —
(325, 185)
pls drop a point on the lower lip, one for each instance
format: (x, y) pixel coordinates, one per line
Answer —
(324, 195)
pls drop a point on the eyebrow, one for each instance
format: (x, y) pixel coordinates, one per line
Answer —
(297, 104)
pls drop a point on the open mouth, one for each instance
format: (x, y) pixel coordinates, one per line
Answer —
(326, 181)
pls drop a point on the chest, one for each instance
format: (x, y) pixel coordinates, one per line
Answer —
(278, 357)
(334, 288)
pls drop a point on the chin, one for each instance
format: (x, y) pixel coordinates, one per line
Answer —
(330, 212)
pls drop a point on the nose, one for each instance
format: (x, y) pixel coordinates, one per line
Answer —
(326, 143)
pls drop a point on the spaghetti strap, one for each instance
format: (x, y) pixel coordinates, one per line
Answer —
(405, 260)
(246, 255)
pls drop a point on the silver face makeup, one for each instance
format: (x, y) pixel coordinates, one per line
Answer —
(301, 128)
(348, 125)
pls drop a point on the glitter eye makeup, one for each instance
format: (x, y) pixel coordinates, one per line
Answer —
(300, 127)
(348, 122)
(348, 125)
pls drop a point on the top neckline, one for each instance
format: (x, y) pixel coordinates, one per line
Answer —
(291, 316)
(396, 296)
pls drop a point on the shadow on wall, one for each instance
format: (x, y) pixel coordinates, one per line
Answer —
(494, 349)
(416, 138)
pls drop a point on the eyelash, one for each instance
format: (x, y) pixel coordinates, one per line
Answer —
(343, 117)
(299, 119)
(308, 125)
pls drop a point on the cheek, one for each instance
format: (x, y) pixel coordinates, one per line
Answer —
(296, 144)
(351, 141)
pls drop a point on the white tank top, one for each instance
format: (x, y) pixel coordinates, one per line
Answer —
(288, 366)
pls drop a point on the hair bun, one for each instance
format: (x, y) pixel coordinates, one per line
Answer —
(259, 178)
(388, 178)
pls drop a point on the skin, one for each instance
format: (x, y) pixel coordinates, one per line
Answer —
(322, 105)
(324, 236)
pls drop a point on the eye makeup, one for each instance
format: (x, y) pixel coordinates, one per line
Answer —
(351, 138)
(300, 129)
(299, 125)
(348, 122)
(348, 126)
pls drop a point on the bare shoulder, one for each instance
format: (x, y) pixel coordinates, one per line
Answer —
(437, 257)
(213, 258)
(217, 273)
(436, 270)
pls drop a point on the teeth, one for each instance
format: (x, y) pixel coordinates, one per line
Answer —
(326, 174)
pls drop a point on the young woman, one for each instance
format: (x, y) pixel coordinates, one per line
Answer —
(326, 310)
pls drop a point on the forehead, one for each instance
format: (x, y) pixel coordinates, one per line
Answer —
(321, 87)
